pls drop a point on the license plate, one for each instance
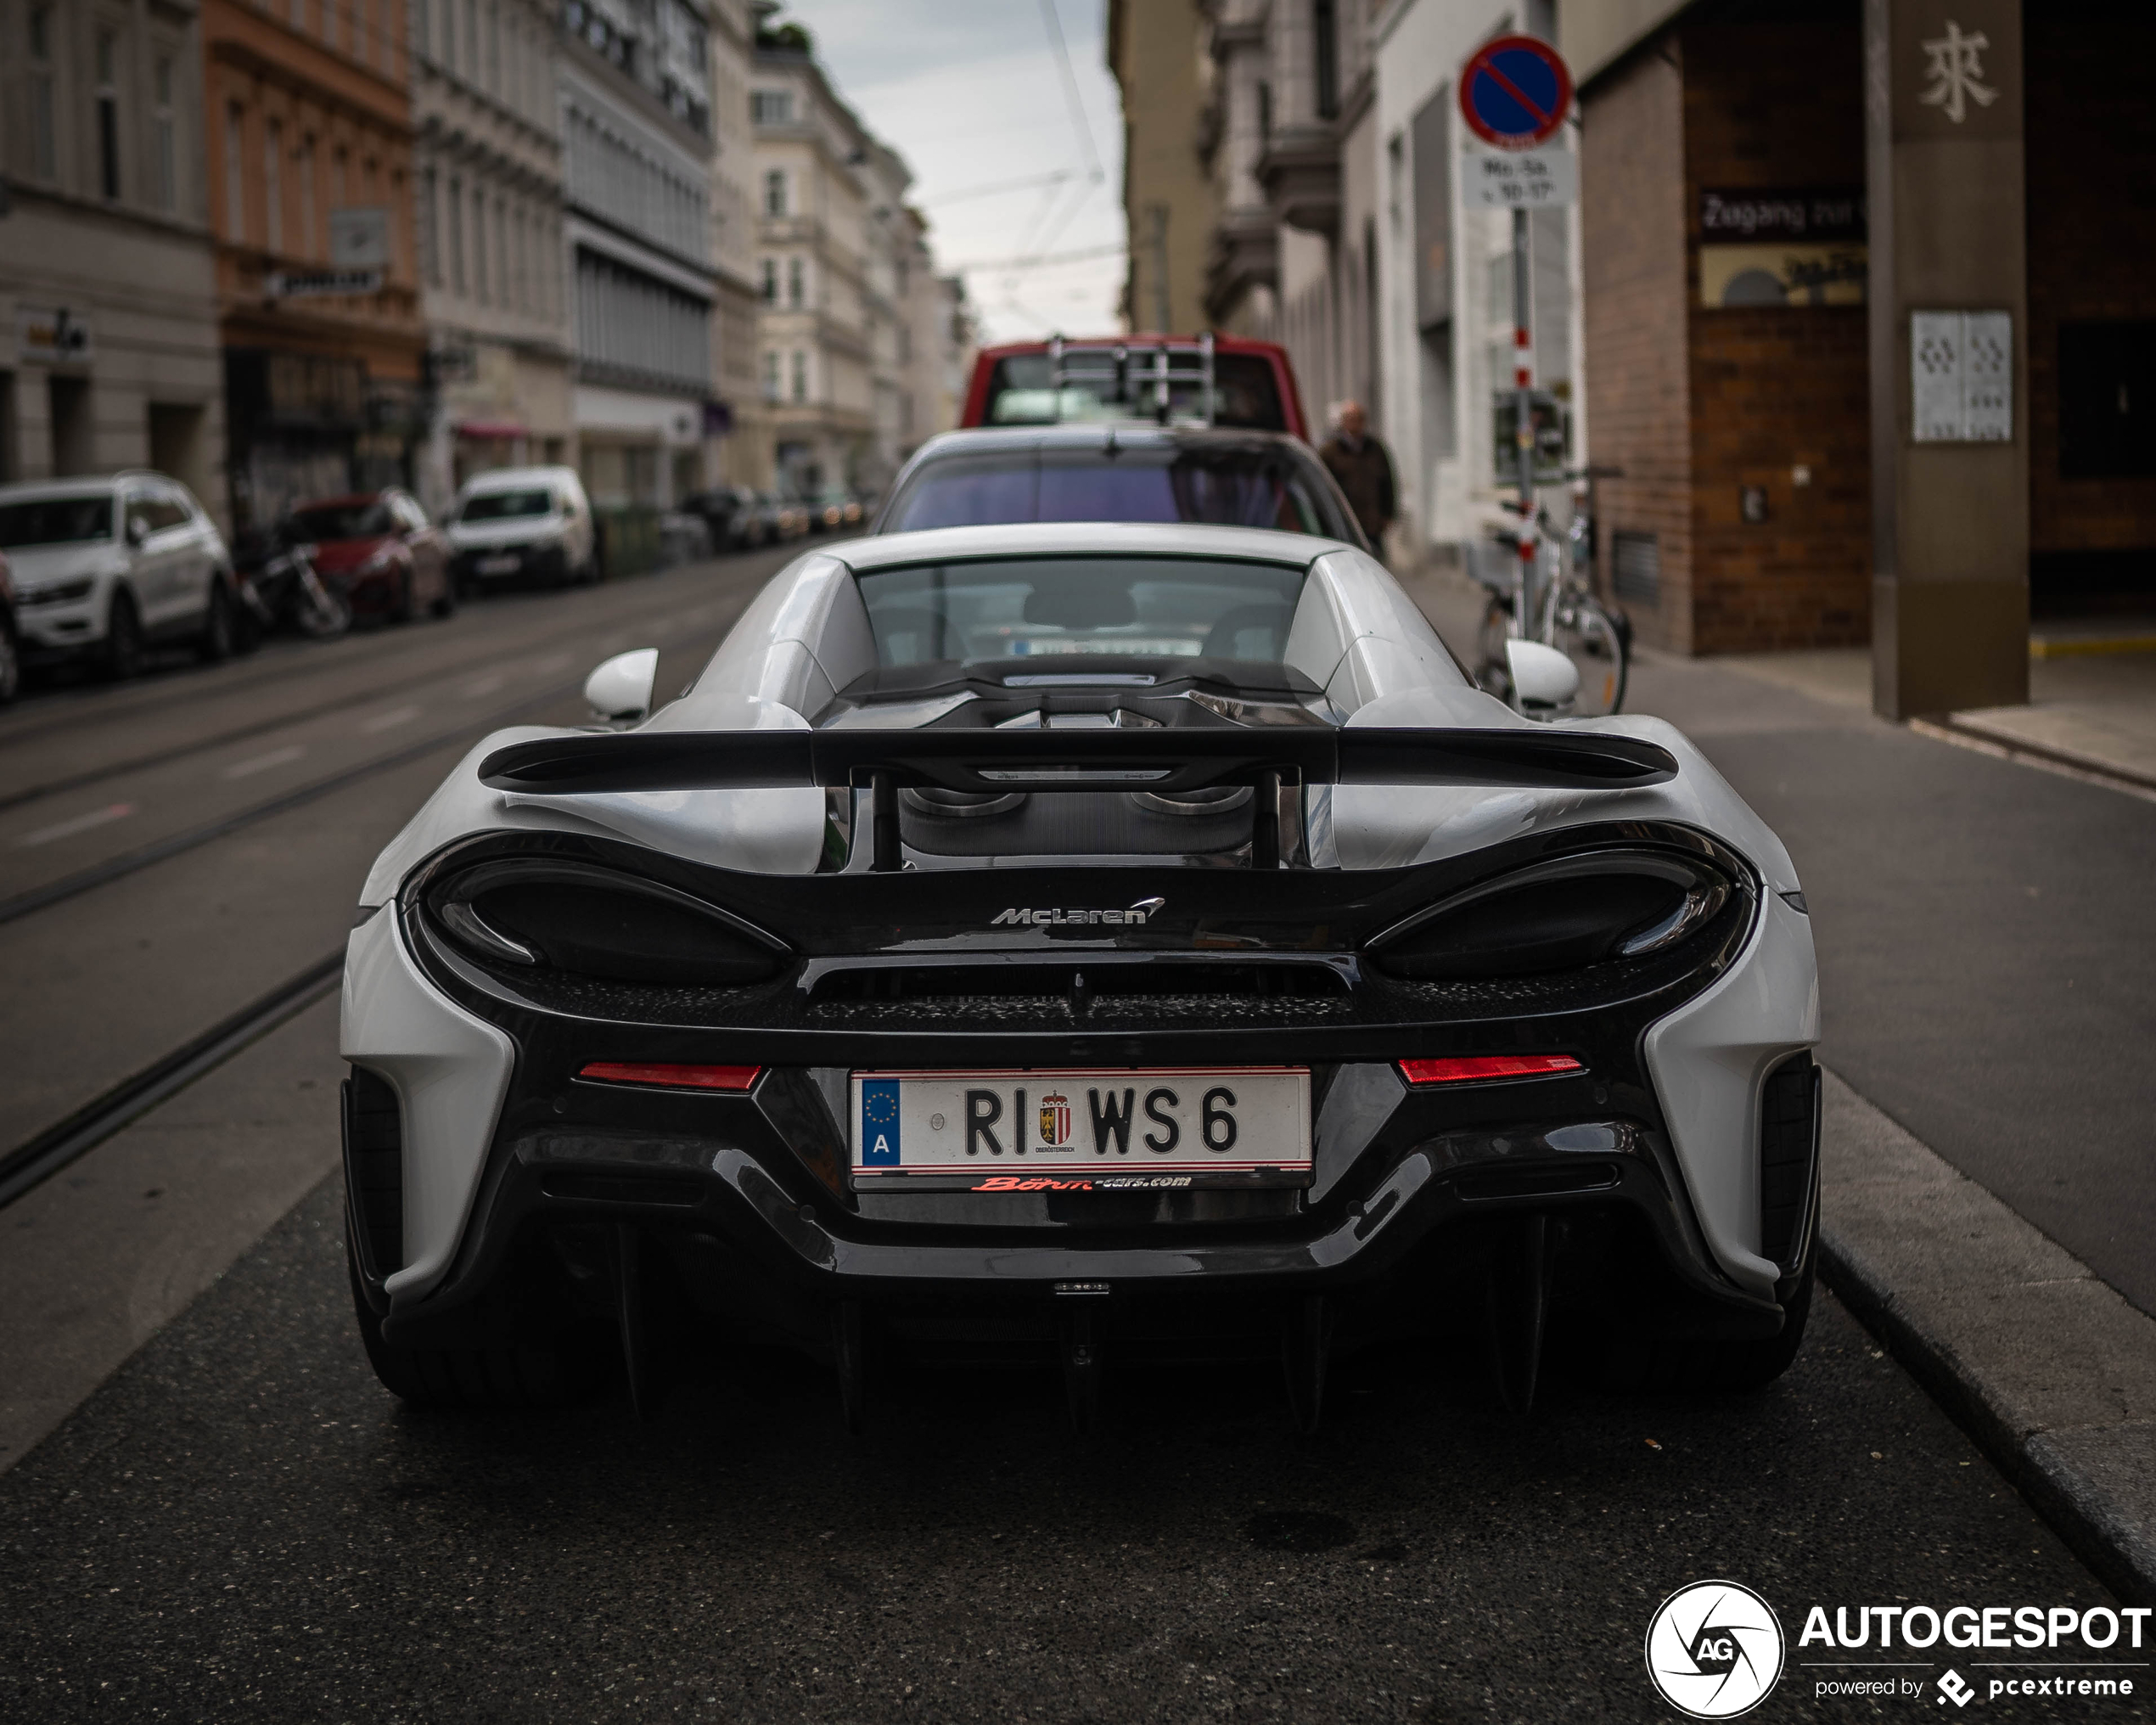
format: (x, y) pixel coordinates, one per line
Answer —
(498, 565)
(1088, 1129)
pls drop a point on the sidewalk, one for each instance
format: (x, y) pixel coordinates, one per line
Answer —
(1987, 949)
(2092, 701)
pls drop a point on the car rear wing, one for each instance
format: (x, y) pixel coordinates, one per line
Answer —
(998, 762)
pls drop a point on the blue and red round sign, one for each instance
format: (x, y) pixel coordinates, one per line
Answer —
(1514, 93)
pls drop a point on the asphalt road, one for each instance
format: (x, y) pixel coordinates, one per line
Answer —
(237, 1522)
(241, 1525)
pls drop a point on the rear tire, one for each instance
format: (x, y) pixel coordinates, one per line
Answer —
(120, 654)
(446, 606)
(525, 1376)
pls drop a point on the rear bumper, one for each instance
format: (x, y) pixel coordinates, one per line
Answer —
(747, 1197)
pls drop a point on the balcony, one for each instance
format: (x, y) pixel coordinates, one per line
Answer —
(1245, 254)
(1299, 168)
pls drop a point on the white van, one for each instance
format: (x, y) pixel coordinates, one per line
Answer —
(529, 523)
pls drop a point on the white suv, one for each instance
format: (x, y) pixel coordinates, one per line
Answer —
(106, 568)
(534, 522)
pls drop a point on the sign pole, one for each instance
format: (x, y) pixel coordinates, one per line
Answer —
(1524, 427)
(1515, 92)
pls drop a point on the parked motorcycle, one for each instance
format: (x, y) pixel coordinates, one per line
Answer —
(280, 590)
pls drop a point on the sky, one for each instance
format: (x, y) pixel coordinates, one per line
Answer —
(973, 94)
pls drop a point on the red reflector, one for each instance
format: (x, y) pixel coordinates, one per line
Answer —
(671, 1077)
(1470, 1067)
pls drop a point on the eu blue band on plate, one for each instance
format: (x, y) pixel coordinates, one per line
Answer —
(880, 1123)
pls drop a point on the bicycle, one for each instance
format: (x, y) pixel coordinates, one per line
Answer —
(1560, 599)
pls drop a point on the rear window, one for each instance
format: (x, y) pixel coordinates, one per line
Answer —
(507, 506)
(1227, 488)
(1245, 395)
(55, 521)
(332, 521)
(1064, 610)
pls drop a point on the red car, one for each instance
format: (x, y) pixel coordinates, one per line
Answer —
(380, 551)
(1254, 384)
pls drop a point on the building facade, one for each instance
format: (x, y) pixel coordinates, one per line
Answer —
(487, 168)
(108, 349)
(1157, 52)
(308, 139)
(635, 94)
(817, 326)
(744, 454)
(1870, 358)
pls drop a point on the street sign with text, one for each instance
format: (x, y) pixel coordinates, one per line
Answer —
(1524, 179)
(1514, 93)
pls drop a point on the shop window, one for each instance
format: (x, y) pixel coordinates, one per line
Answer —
(273, 186)
(2106, 401)
(236, 174)
(42, 156)
(108, 115)
(161, 119)
(1326, 58)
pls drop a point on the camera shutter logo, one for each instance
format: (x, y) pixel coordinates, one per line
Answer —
(1715, 1649)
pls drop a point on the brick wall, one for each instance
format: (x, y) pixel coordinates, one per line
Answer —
(1776, 388)
(1633, 255)
(2091, 171)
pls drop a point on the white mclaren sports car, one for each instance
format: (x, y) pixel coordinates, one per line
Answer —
(1077, 944)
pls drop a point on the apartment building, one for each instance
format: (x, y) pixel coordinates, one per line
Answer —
(309, 157)
(634, 87)
(817, 323)
(744, 453)
(1157, 51)
(487, 167)
(107, 285)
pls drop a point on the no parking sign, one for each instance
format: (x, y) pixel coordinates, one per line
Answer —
(1514, 93)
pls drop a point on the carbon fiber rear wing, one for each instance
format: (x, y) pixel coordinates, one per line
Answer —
(999, 761)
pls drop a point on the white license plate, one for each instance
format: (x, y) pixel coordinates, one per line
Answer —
(1095, 1129)
(498, 565)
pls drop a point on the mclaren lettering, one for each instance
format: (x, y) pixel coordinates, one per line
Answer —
(1016, 917)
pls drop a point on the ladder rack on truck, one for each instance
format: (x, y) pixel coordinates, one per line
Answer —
(1133, 372)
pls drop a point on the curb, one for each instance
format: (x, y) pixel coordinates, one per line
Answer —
(2048, 1368)
(2081, 1513)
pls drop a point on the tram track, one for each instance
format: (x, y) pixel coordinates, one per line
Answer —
(570, 631)
(34, 899)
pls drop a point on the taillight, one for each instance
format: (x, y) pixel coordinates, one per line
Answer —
(1467, 1069)
(670, 1078)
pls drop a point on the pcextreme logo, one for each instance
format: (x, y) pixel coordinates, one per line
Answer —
(1715, 1649)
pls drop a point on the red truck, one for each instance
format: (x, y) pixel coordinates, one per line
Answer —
(1225, 380)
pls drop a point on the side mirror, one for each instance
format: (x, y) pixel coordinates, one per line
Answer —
(1543, 678)
(138, 529)
(621, 689)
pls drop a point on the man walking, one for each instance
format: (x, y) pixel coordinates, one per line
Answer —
(1359, 462)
